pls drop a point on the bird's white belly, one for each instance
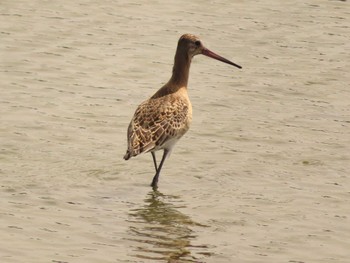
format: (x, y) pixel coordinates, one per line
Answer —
(168, 145)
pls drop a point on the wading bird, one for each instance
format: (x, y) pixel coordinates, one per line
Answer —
(160, 121)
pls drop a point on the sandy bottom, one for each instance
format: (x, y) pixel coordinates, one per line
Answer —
(262, 175)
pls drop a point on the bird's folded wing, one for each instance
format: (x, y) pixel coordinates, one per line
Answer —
(154, 123)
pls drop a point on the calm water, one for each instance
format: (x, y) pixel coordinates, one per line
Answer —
(262, 175)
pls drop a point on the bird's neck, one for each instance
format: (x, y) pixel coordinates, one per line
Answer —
(179, 78)
(181, 69)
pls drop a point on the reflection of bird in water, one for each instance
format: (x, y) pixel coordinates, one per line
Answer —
(164, 233)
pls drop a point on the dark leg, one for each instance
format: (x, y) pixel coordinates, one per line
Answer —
(155, 178)
(154, 160)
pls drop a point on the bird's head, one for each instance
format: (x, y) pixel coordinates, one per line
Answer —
(193, 46)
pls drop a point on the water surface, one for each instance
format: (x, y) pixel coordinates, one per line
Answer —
(262, 175)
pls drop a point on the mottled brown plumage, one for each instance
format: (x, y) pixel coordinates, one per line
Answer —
(160, 121)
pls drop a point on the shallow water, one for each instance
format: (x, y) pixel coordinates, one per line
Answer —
(262, 175)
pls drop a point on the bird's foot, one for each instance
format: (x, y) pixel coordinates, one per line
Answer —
(154, 183)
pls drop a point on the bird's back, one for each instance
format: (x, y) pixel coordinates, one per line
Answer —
(159, 121)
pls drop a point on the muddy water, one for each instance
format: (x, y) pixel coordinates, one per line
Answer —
(262, 175)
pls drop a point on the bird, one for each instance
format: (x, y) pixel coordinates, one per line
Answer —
(160, 121)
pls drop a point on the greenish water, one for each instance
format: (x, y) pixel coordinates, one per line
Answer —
(261, 176)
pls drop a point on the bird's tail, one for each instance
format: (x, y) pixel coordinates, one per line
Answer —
(127, 155)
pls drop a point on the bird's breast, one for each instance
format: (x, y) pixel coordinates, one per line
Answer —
(186, 106)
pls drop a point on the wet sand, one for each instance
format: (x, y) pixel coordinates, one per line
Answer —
(262, 175)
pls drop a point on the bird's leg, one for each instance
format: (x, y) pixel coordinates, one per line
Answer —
(154, 160)
(155, 178)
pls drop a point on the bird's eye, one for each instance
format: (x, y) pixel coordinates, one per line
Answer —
(197, 43)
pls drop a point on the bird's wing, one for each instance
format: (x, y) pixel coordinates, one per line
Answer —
(154, 122)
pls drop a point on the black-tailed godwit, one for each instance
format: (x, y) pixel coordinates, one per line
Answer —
(160, 121)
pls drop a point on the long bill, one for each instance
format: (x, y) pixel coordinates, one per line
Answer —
(211, 54)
